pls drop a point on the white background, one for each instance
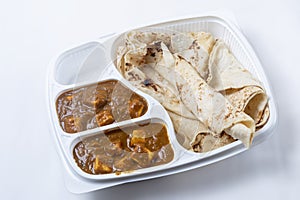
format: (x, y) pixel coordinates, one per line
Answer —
(32, 32)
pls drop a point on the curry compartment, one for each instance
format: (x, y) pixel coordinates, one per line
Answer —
(97, 105)
(144, 146)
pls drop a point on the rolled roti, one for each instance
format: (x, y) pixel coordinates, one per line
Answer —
(211, 107)
(240, 87)
(187, 129)
(195, 136)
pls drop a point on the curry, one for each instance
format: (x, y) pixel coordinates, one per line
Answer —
(98, 105)
(124, 150)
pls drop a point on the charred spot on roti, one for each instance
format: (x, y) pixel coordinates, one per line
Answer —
(128, 64)
(228, 115)
(179, 87)
(194, 43)
(180, 57)
(154, 87)
(133, 76)
(148, 82)
(199, 109)
(200, 85)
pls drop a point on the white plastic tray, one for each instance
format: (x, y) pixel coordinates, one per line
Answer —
(94, 61)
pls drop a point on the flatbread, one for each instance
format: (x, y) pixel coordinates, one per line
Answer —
(211, 99)
(211, 107)
(195, 136)
(188, 129)
(250, 99)
(161, 60)
(135, 48)
(240, 87)
(207, 142)
(152, 83)
(194, 48)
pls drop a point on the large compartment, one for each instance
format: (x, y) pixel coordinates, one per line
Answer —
(95, 61)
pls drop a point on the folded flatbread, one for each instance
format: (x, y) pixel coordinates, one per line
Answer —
(135, 48)
(194, 48)
(210, 106)
(240, 87)
(138, 67)
(194, 135)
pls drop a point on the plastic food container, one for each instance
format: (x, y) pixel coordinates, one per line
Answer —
(94, 62)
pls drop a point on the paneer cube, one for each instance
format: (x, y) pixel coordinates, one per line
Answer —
(71, 124)
(100, 167)
(95, 99)
(136, 108)
(138, 137)
(104, 117)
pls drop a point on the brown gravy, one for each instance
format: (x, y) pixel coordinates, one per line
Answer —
(124, 150)
(98, 105)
